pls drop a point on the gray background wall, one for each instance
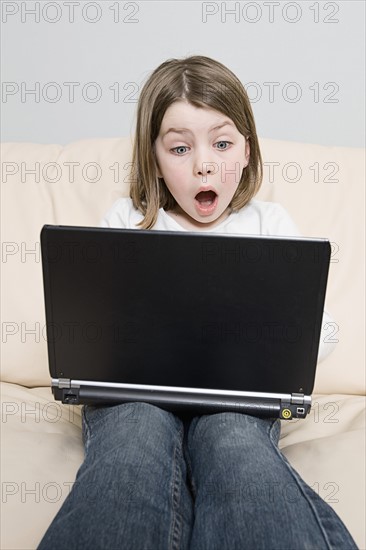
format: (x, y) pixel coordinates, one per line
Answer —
(302, 63)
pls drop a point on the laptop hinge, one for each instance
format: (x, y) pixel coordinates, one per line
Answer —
(64, 383)
(297, 398)
(66, 390)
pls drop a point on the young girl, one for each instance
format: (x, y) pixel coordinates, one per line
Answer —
(152, 479)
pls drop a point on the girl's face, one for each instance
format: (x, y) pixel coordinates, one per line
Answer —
(201, 156)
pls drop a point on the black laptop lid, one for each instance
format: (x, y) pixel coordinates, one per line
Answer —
(180, 309)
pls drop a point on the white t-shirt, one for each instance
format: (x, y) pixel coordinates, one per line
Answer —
(255, 218)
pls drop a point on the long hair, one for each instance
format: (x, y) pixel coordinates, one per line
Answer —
(203, 82)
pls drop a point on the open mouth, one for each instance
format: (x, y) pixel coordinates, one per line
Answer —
(206, 202)
(206, 198)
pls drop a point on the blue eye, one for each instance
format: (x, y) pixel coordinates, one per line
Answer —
(179, 147)
(223, 148)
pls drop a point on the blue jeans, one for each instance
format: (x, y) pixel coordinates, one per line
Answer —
(156, 480)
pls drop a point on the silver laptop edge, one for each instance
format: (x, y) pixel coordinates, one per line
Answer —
(291, 405)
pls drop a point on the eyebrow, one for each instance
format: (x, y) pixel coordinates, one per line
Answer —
(187, 131)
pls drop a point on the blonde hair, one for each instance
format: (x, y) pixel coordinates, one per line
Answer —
(203, 82)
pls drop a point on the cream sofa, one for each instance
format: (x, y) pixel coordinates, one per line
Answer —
(41, 445)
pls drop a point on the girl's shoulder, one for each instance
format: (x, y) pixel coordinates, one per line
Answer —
(265, 207)
(265, 218)
(122, 215)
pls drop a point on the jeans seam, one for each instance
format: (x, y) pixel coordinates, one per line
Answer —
(87, 433)
(299, 485)
(176, 529)
(187, 458)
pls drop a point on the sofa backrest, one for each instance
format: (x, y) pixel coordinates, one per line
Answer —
(321, 187)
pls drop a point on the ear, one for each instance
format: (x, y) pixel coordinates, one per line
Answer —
(247, 151)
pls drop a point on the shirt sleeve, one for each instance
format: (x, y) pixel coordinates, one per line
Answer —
(114, 217)
(280, 222)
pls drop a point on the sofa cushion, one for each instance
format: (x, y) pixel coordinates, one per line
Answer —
(321, 187)
(41, 451)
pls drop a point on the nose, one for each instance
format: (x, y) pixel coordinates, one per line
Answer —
(206, 168)
(203, 165)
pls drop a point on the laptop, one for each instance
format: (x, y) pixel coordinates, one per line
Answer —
(188, 321)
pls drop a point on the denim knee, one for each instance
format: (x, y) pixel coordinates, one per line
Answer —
(133, 418)
(223, 428)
